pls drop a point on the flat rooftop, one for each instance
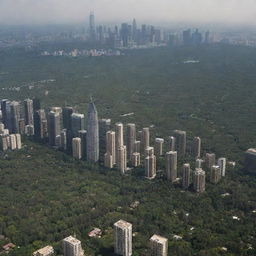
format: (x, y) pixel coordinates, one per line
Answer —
(71, 240)
(122, 224)
(158, 239)
(251, 150)
(200, 170)
(44, 251)
(160, 140)
(179, 132)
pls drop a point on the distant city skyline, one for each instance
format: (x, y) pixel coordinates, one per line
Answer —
(162, 11)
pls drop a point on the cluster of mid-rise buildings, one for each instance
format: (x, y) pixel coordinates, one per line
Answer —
(71, 246)
(10, 137)
(116, 146)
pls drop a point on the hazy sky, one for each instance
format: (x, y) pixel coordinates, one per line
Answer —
(76, 11)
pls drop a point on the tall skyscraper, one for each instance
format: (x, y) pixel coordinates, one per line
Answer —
(14, 117)
(250, 160)
(136, 159)
(4, 138)
(92, 30)
(150, 164)
(111, 145)
(76, 148)
(29, 130)
(122, 159)
(28, 109)
(158, 246)
(104, 127)
(172, 142)
(197, 37)
(119, 129)
(77, 123)
(40, 124)
(124, 34)
(123, 238)
(131, 138)
(199, 180)
(222, 164)
(53, 127)
(1, 128)
(180, 142)
(67, 124)
(207, 37)
(171, 165)
(82, 134)
(144, 34)
(215, 174)
(36, 104)
(210, 160)
(187, 38)
(13, 144)
(9, 121)
(134, 30)
(137, 146)
(4, 103)
(159, 142)
(58, 141)
(152, 36)
(149, 151)
(92, 134)
(145, 138)
(63, 139)
(108, 160)
(186, 176)
(22, 125)
(100, 34)
(72, 247)
(66, 116)
(158, 35)
(3, 131)
(199, 163)
(196, 147)
(18, 140)
(45, 127)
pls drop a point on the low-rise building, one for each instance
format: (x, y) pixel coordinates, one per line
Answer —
(46, 251)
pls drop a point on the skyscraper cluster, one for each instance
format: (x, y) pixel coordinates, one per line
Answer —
(131, 35)
(195, 37)
(62, 128)
(142, 149)
(13, 123)
(124, 36)
(116, 146)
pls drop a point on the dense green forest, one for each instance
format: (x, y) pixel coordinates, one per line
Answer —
(46, 195)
